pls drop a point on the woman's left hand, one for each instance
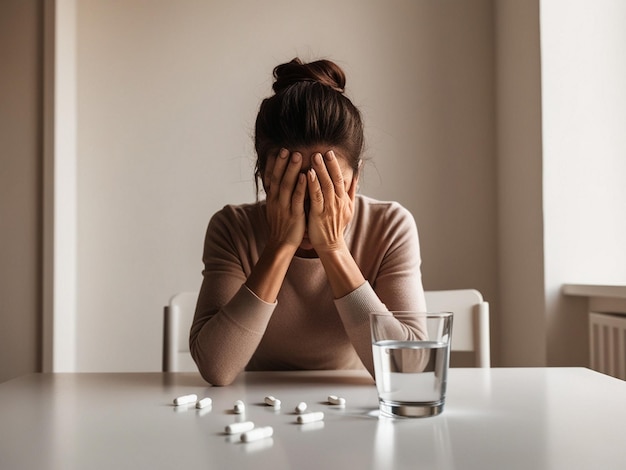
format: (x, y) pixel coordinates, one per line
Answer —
(332, 206)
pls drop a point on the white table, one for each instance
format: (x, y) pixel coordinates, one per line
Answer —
(536, 418)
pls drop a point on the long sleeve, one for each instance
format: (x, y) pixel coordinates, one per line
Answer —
(223, 343)
(385, 244)
(230, 320)
(354, 309)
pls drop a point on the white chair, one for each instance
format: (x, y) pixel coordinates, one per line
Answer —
(470, 324)
(178, 315)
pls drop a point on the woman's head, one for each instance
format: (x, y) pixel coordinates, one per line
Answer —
(308, 109)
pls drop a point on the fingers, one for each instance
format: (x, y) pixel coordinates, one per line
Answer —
(297, 202)
(276, 175)
(335, 173)
(290, 178)
(315, 191)
(326, 178)
(285, 199)
(281, 175)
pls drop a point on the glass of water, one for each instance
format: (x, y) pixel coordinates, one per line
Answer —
(411, 358)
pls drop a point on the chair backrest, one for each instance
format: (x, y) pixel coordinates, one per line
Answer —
(178, 315)
(470, 324)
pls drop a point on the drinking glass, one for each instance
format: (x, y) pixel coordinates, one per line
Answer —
(411, 359)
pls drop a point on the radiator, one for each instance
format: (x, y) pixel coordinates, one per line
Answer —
(607, 341)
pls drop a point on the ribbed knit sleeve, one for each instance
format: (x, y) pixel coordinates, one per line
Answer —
(230, 320)
(223, 343)
(355, 307)
(354, 310)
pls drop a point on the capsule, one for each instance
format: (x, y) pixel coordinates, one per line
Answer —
(335, 400)
(185, 399)
(236, 428)
(301, 408)
(272, 401)
(239, 407)
(257, 434)
(204, 403)
(310, 417)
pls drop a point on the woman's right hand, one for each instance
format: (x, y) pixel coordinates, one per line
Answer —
(285, 187)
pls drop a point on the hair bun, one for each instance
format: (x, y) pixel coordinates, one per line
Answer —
(321, 71)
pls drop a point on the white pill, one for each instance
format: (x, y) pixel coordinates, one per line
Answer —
(204, 403)
(236, 428)
(310, 417)
(272, 401)
(301, 408)
(335, 400)
(239, 407)
(185, 399)
(257, 433)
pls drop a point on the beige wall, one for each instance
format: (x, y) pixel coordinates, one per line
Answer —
(20, 186)
(167, 95)
(522, 331)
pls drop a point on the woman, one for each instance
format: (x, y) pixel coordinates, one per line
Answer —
(289, 282)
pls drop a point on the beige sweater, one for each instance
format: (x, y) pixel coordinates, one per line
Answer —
(306, 328)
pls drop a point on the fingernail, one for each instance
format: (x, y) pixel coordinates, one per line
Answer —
(296, 157)
(312, 174)
(283, 153)
(318, 158)
(330, 155)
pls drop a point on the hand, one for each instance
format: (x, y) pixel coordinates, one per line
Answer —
(332, 206)
(285, 187)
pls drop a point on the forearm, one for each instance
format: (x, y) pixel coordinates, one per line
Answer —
(268, 274)
(343, 274)
(223, 343)
(354, 310)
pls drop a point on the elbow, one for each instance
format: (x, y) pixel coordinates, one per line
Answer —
(216, 378)
(210, 370)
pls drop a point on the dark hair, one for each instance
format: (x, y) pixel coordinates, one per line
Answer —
(308, 107)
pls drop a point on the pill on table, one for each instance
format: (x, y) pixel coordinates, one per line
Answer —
(310, 417)
(204, 403)
(272, 401)
(301, 408)
(335, 400)
(257, 433)
(236, 428)
(239, 407)
(186, 399)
